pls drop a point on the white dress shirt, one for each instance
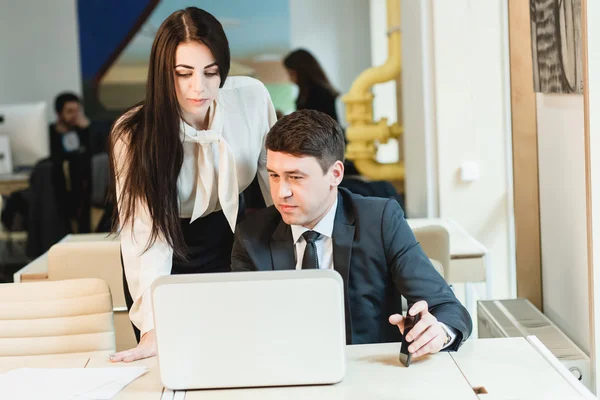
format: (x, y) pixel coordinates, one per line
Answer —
(324, 243)
(218, 164)
(325, 249)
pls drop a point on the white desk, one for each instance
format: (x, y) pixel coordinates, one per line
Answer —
(146, 387)
(373, 372)
(71, 361)
(513, 368)
(506, 368)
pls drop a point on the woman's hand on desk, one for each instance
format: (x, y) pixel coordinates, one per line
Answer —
(145, 348)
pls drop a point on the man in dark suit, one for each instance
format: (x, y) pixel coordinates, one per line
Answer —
(70, 142)
(313, 224)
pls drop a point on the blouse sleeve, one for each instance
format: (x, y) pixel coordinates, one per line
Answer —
(142, 266)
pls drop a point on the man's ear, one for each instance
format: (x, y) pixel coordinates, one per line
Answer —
(337, 173)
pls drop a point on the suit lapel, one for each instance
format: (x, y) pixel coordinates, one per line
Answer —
(283, 258)
(282, 248)
(343, 237)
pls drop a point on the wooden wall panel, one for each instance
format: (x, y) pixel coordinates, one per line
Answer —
(525, 155)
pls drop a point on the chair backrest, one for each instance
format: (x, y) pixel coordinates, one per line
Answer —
(96, 259)
(435, 241)
(40, 318)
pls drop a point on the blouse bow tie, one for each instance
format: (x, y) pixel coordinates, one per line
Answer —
(227, 185)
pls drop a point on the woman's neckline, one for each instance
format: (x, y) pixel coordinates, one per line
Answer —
(211, 119)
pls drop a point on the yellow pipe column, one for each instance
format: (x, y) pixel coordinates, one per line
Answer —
(362, 131)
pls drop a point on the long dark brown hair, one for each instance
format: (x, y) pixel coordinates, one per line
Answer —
(308, 72)
(150, 131)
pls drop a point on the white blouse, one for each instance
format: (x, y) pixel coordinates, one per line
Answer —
(218, 164)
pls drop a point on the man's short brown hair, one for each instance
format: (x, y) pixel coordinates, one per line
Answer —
(308, 133)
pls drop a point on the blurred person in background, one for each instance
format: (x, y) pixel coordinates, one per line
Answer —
(70, 143)
(315, 90)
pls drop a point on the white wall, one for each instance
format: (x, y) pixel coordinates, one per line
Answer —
(456, 108)
(561, 161)
(418, 106)
(470, 116)
(593, 50)
(337, 32)
(39, 51)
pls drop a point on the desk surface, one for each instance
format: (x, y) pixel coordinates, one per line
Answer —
(78, 360)
(506, 368)
(462, 245)
(373, 372)
(512, 368)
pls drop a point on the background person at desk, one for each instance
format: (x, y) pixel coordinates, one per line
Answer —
(180, 161)
(367, 240)
(70, 142)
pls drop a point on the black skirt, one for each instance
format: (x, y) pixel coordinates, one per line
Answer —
(209, 240)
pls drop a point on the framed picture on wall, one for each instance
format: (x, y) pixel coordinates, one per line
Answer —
(556, 46)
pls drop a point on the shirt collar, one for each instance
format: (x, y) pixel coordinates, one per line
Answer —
(324, 226)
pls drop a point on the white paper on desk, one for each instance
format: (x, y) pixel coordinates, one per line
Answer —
(67, 383)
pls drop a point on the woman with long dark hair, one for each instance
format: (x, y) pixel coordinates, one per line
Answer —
(315, 90)
(180, 160)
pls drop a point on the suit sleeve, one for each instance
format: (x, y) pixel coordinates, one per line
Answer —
(415, 277)
(240, 259)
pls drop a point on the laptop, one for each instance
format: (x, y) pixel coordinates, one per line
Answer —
(250, 329)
